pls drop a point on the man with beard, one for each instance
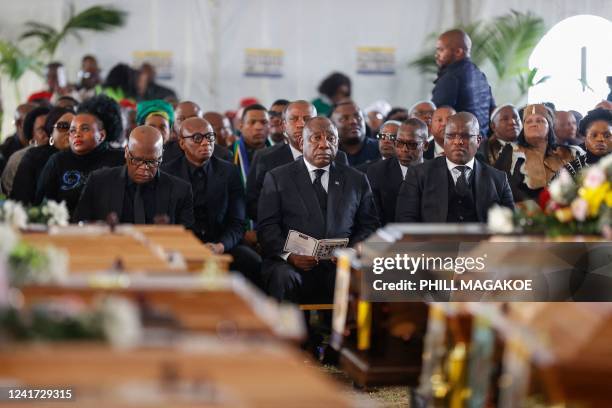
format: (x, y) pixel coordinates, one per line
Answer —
(218, 196)
(460, 83)
(137, 192)
(435, 147)
(386, 176)
(348, 119)
(317, 197)
(277, 127)
(295, 116)
(506, 125)
(455, 188)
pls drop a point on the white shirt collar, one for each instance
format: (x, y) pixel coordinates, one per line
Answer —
(452, 165)
(312, 168)
(295, 152)
(404, 170)
(438, 150)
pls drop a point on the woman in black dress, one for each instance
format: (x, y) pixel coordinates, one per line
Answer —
(596, 126)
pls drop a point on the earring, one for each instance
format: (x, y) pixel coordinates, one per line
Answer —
(51, 141)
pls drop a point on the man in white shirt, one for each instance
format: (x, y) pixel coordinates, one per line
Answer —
(453, 188)
(438, 124)
(318, 197)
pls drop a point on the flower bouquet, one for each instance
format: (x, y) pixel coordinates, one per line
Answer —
(568, 206)
(36, 217)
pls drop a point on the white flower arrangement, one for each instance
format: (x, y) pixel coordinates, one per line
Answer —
(500, 220)
(8, 239)
(13, 214)
(120, 321)
(57, 213)
(563, 188)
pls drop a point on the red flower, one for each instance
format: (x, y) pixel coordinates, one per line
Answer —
(543, 198)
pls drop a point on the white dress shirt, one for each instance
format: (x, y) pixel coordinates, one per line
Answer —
(295, 152)
(438, 150)
(404, 171)
(452, 167)
(313, 175)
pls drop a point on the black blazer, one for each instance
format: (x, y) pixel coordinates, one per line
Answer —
(386, 179)
(288, 201)
(423, 196)
(431, 150)
(105, 188)
(264, 161)
(224, 199)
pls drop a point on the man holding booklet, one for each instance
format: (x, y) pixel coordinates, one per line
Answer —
(324, 204)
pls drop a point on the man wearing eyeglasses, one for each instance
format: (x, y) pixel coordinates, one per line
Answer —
(277, 127)
(386, 143)
(386, 176)
(218, 195)
(315, 196)
(455, 188)
(138, 193)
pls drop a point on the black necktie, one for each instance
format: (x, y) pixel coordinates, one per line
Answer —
(320, 191)
(139, 209)
(461, 186)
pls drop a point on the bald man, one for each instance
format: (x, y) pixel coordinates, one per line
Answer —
(315, 196)
(185, 110)
(222, 127)
(218, 195)
(460, 84)
(454, 188)
(138, 193)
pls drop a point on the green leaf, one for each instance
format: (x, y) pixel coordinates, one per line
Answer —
(95, 18)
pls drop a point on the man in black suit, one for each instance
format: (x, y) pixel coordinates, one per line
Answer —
(138, 192)
(318, 197)
(185, 110)
(217, 193)
(455, 188)
(435, 147)
(386, 143)
(386, 176)
(295, 116)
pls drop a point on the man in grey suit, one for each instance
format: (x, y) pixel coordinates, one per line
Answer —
(318, 197)
(454, 188)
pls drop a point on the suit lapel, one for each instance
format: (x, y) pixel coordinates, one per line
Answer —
(481, 190)
(118, 191)
(334, 195)
(212, 190)
(163, 193)
(285, 155)
(394, 172)
(441, 179)
(307, 193)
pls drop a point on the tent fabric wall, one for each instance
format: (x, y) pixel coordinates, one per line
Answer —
(208, 39)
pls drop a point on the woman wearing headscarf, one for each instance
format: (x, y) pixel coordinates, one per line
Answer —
(56, 126)
(97, 122)
(596, 126)
(534, 160)
(35, 135)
